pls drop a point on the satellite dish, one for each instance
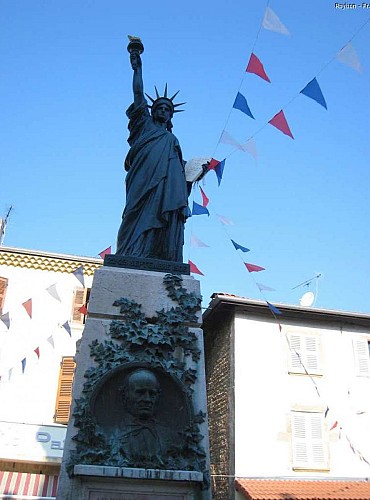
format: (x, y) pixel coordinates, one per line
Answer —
(307, 299)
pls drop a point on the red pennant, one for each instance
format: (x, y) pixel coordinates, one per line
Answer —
(255, 66)
(334, 425)
(194, 269)
(213, 164)
(105, 252)
(37, 351)
(83, 309)
(279, 121)
(204, 197)
(253, 268)
(28, 306)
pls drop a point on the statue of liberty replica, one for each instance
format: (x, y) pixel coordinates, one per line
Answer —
(156, 187)
(138, 426)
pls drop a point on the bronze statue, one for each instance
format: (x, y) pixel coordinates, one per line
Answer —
(156, 188)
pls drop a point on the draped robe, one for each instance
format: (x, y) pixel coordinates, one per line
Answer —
(156, 191)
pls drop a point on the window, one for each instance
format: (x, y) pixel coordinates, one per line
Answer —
(64, 394)
(304, 355)
(3, 287)
(361, 356)
(80, 298)
(308, 444)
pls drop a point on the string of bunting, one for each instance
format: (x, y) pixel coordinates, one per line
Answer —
(5, 318)
(346, 55)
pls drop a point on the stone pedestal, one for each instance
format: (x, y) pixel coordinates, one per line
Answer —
(143, 327)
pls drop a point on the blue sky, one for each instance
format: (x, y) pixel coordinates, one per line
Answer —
(302, 208)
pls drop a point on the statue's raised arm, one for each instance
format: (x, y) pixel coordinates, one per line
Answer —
(137, 81)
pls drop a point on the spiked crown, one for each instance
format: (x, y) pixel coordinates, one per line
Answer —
(165, 100)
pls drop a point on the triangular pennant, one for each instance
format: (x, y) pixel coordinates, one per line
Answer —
(272, 22)
(51, 341)
(256, 67)
(10, 373)
(52, 289)
(37, 351)
(279, 121)
(349, 57)
(24, 362)
(280, 328)
(83, 309)
(239, 247)
(205, 199)
(326, 412)
(67, 328)
(241, 104)
(227, 139)
(79, 274)
(264, 288)
(250, 147)
(196, 242)
(5, 318)
(225, 221)
(199, 209)
(194, 269)
(219, 169)
(105, 252)
(253, 268)
(334, 425)
(274, 309)
(313, 91)
(213, 163)
(28, 307)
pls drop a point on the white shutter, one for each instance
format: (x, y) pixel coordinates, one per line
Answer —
(361, 356)
(304, 354)
(309, 447)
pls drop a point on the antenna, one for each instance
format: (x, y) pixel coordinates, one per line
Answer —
(3, 223)
(307, 282)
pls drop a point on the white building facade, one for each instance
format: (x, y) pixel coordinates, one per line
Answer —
(43, 301)
(288, 397)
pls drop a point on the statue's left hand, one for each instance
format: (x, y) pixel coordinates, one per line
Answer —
(205, 168)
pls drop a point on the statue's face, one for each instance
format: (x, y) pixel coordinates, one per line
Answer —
(162, 113)
(142, 394)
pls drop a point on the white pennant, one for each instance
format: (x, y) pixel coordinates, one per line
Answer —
(227, 139)
(250, 147)
(196, 242)
(272, 22)
(349, 57)
(53, 292)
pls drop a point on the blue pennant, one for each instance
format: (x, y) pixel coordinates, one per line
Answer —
(241, 104)
(239, 247)
(199, 209)
(313, 91)
(67, 328)
(219, 169)
(273, 308)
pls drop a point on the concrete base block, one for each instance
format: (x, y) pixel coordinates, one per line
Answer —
(181, 400)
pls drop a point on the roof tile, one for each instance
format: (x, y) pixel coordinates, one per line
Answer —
(268, 489)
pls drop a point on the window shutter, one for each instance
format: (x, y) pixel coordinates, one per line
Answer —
(304, 354)
(361, 356)
(78, 301)
(64, 395)
(309, 448)
(3, 287)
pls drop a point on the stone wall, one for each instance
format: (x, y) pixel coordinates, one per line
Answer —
(220, 383)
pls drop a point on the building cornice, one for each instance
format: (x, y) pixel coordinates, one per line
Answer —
(46, 261)
(222, 303)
